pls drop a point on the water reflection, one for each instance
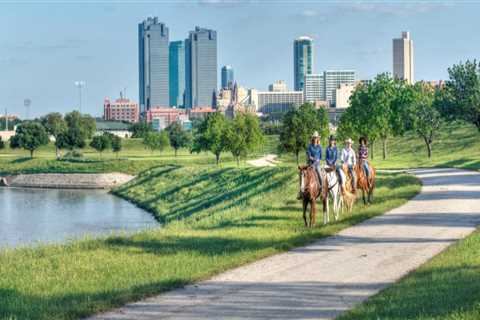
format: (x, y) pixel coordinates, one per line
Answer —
(46, 215)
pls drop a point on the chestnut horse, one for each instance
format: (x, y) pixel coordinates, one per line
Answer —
(366, 185)
(310, 190)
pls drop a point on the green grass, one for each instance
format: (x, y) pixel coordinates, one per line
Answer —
(457, 145)
(445, 288)
(133, 159)
(215, 219)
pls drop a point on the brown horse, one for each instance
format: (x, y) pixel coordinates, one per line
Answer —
(366, 185)
(310, 190)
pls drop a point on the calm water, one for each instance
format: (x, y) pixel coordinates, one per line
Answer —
(30, 216)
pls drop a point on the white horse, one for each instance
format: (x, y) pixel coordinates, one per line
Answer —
(333, 191)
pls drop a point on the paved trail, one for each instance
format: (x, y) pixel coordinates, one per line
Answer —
(322, 280)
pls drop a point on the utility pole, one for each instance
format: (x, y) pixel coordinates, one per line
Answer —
(6, 119)
(80, 84)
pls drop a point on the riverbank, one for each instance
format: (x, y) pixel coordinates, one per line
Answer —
(67, 180)
(214, 219)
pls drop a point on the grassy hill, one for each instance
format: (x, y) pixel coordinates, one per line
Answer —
(214, 219)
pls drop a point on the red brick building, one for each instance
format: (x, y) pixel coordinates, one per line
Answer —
(121, 110)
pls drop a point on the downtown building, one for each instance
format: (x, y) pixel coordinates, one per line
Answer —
(278, 101)
(201, 68)
(403, 58)
(227, 77)
(122, 109)
(176, 73)
(302, 61)
(153, 64)
(323, 87)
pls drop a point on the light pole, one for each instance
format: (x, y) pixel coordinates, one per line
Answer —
(26, 103)
(80, 84)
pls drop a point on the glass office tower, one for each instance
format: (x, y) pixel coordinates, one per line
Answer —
(201, 68)
(153, 61)
(302, 61)
(177, 73)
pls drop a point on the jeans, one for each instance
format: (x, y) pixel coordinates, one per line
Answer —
(351, 170)
(366, 168)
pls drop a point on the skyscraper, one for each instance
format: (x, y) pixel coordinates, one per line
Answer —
(153, 64)
(201, 68)
(403, 58)
(177, 73)
(227, 77)
(302, 61)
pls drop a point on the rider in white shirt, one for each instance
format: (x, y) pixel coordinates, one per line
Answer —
(349, 158)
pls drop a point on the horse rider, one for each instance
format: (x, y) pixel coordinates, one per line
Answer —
(331, 157)
(349, 159)
(314, 155)
(363, 157)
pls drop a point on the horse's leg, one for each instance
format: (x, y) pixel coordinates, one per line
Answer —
(336, 203)
(325, 210)
(305, 205)
(363, 197)
(313, 211)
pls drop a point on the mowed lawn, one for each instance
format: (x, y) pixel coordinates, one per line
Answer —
(213, 219)
(445, 288)
(133, 159)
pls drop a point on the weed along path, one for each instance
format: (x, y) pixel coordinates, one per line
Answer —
(322, 280)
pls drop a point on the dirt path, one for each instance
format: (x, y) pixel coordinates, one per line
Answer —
(322, 280)
(267, 161)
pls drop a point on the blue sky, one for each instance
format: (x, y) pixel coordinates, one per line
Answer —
(45, 47)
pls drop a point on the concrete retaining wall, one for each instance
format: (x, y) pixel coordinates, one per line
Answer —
(67, 181)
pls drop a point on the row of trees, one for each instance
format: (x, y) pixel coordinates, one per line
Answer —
(70, 132)
(390, 107)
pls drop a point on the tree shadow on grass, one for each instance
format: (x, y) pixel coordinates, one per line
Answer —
(21, 160)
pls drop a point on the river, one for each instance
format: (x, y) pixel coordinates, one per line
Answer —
(35, 216)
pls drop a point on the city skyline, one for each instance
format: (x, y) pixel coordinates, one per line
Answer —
(106, 58)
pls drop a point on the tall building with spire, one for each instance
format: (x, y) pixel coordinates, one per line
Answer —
(403, 58)
(153, 63)
(302, 61)
(201, 68)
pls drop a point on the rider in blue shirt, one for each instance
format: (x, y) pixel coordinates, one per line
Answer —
(331, 153)
(314, 154)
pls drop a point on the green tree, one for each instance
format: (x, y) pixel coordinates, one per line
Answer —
(179, 138)
(298, 125)
(55, 125)
(101, 142)
(210, 135)
(29, 136)
(79, 129)
(243, 135)
(84, 124)
(116, 144)
(156, 141)
(140, 129)
(2, 144)
(461, 100)
(370, 113)
(426, 118)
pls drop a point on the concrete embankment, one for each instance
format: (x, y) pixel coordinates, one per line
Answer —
(67, 180)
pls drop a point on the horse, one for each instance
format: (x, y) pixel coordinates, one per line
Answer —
(366, 185)
(348, 195)
(334, 190)
(310, 190)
